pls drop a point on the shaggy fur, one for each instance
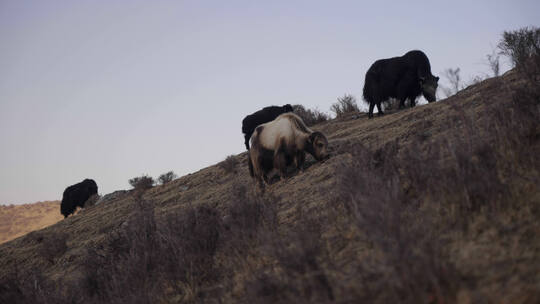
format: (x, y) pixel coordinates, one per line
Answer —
(265, 115)
(404, 77)
(77, 195)
(281, 142)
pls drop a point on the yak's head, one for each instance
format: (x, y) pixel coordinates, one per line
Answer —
(317, 146)
(429, 87)
(90, 186)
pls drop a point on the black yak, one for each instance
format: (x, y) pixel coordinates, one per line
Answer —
(265, 115)
(402, 77)
(77, 195)
(281, 142)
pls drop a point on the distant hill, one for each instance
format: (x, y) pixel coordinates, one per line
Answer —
(18, 220)
(435, 204)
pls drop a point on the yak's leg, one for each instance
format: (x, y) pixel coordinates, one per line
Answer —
(256, 167)
(402, 102)
(280, 163)
(404, 88)
(261, 184)
(379, 108)
(413, 101)
(299, 159)
(371, 105)
(280, 159)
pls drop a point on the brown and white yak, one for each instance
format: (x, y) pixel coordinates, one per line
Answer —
(281, 142)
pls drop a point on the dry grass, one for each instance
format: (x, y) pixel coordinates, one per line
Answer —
(310, 116)
(344, 105)
(18, 220)
(435, 204)
(229, 164)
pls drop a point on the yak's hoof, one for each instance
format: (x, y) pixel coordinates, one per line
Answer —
(380, 114)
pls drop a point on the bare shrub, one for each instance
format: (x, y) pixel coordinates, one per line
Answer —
(454, 79)
(53, 246)
(408, 262)
(297, 274)
(229, 164)
(34, 288)
(523, 48)
(494, 63)
(248, 213)
(345, 104)
(144, 262)
(167, 177)
(310, 116)
(521, 45)
(142, 182)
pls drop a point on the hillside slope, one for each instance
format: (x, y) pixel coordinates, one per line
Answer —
(18, 220)
(435, 204)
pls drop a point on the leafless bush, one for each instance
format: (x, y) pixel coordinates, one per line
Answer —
(523, 48)
(521, 45)
(344, 105)
(409, 262)
(248, 213)
(142, 182)
(144, 262)
(454, 79)
(297, 274)
(34, 288)
(167, 177)
(494, 63)
(229, 164)
(310, 116)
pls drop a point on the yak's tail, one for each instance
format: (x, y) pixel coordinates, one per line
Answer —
(246, 141)
(250, 166)
(366, 94)
(370, 81)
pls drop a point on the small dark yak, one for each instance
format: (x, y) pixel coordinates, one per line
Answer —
(77, 195)
(404, 77)
(265, 115)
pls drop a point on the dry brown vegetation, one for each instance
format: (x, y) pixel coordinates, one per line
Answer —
(310, 116)
(18, 220)
(344, 105)
(435, 204)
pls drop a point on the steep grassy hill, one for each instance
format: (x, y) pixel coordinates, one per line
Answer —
(18, 220)
(435, 204)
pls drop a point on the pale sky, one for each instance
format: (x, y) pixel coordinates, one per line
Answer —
(110, 90)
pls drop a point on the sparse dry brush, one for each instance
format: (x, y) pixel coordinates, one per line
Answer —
(145, 261)
(411, 204)
(344, 105)
(408, 262)
(142, 182)
(310, 116)
(167, 177)
(229, 164)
